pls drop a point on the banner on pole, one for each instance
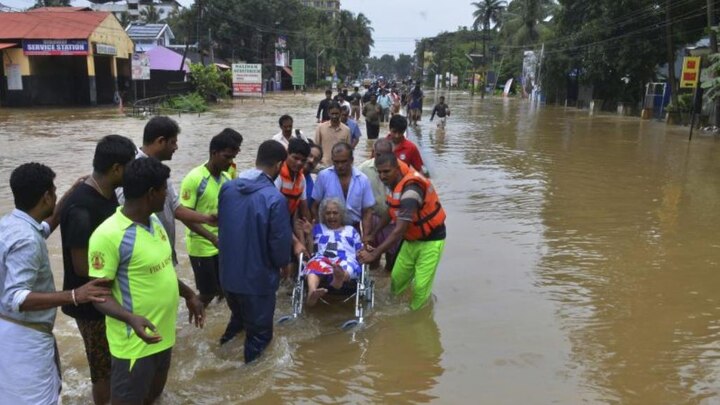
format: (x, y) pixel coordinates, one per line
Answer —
(247, 79)
(690, 72)
(298, 69)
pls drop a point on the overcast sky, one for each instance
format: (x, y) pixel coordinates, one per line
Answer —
(396, 23)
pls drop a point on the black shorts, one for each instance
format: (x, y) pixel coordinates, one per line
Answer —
(134, 385)
(207, 274)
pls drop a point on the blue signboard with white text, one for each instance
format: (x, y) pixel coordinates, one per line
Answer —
(55, 47)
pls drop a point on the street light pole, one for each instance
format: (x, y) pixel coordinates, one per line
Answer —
(317, 66)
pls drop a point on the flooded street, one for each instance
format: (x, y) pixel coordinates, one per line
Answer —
(582, 264)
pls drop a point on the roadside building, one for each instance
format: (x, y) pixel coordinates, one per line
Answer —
(62, 56)
(134, 10)
(147, 36)
(331, 7)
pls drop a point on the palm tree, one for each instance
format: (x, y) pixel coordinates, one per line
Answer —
(487, 12)
(524, 20)
(150, 14)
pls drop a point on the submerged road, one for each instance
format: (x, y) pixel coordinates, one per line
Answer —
(581, 264)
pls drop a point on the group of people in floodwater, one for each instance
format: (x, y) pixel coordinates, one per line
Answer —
(245, 230)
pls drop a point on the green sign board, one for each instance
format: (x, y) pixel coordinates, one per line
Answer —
(298, 68)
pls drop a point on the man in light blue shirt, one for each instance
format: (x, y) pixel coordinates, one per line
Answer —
(355, 133)
(29, 373)
(384, 101)
(347, 183)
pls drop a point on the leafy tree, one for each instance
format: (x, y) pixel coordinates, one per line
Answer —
(487, 12)
(51, 3)
(525, 21)
(150, 14)
(247, 30)
(209, 82)
(403, 65)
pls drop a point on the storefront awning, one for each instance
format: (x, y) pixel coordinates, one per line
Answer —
(4, 45)
(288, 70)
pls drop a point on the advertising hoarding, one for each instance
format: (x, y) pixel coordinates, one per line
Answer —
(247, 79)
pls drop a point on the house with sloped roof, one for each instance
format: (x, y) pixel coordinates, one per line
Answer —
(63, 56)
(146, 36)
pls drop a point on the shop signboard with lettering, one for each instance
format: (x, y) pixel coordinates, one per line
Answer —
(690, 72)
(55, 47)
(247, 79)
(104, 49)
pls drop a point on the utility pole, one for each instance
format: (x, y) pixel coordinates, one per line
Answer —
(670, 53)
(711, 24)
(714, 118)
(198, 17)
(484, 61)
(317, 67)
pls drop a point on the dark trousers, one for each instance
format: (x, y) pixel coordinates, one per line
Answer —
(254, 313)
(373, 130)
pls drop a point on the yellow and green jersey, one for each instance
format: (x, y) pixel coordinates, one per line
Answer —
(199, 192)
(139, 261)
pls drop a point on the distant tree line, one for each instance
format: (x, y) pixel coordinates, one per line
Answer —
(613, 47)
(247, 30)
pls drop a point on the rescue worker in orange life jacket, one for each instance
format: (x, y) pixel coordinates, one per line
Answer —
(419, 219)
(291, 183)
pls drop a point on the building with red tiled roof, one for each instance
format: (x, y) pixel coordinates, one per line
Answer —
(61, 56)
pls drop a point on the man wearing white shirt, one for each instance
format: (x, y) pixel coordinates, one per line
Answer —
(286, 131)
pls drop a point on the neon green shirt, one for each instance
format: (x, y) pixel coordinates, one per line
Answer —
(139, 261)
(199, 191)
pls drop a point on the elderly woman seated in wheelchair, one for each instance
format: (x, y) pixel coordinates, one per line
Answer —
(335, 246)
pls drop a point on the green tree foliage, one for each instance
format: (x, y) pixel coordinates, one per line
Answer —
(616, 50)
(383, 66)
(403, 65)
(614, 47)
(150, 14)
(247, 30)
(51, 3)
(209, 82)
(525, 22)
(488, 12)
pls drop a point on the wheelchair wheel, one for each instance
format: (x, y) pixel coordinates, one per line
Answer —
(298, 298)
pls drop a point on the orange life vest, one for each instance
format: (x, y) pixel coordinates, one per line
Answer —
(404, 168)
(430, 216)
(292, 190)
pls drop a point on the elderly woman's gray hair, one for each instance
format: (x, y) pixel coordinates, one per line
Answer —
(329, 201)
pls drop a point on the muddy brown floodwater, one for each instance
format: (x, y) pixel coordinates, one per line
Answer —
(581, 266)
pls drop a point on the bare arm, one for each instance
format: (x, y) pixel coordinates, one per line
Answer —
(112, 309)
(369, 255)
(314, 209)
(367, 216)
(186, 215)
(79, 257)
(200, 230)
(94, 291)
(196, 308)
